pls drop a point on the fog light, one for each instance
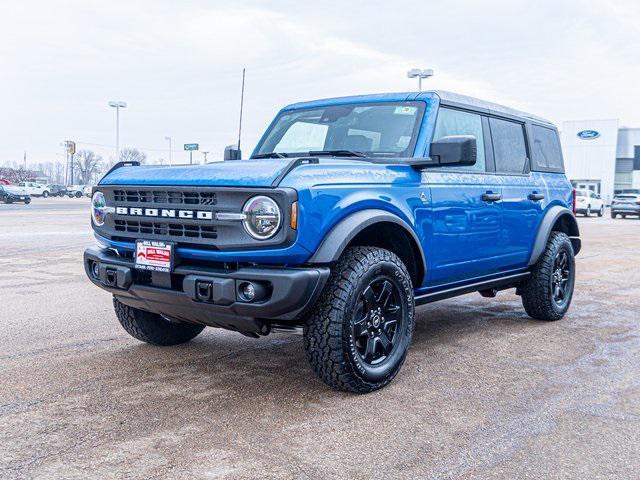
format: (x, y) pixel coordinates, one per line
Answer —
(252, 291)
(95, 269)
(248, 291)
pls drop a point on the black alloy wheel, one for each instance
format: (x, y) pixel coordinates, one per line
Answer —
(560, 277)
(379, 318)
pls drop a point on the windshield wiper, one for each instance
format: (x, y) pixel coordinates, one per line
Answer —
(271, 155)
(337, 153)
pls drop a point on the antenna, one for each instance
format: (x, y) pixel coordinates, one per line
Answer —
(241, 105)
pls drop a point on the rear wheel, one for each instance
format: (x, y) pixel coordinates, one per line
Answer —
(152, 328)
(601, 211)
(588, 212)
(45, 194)
(78, 194)
(358, 334)
(547, 293)
(614, 215)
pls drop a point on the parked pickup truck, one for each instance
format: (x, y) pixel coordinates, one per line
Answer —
(350, 213)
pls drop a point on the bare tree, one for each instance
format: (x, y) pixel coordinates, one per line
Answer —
(86, 164)
(132, 155)
(16, 175)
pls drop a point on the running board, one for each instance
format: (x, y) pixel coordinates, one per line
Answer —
(502, 283)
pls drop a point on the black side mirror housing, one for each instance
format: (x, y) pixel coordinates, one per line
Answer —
(232, 152)
(455, 150)
(452, 150)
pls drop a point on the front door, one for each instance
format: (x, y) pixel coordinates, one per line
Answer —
(465, 203)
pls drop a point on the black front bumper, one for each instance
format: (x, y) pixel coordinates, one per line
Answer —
(208, 296)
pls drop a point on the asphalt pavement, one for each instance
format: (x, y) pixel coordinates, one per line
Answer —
(485, 392)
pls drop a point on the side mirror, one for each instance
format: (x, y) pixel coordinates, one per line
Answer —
(454, 150)
(232, 152)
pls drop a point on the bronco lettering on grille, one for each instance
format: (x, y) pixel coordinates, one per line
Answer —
(164, 213)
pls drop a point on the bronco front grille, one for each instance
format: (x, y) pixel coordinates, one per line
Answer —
(166, 229)
(187, 215)
(172, 197)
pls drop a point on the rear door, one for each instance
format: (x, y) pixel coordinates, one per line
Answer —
(464, 242)
(523, 192)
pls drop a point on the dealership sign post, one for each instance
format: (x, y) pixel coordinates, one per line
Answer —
(190, 147)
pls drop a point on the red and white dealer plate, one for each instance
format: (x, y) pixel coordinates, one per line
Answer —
(154, 256)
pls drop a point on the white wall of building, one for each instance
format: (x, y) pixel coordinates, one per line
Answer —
(591, 159)
(627, 139)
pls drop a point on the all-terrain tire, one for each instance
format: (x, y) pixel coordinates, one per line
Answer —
(331, 344)
(538, 297)
(152, 328)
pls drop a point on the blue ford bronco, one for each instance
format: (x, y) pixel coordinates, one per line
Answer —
(349, 214)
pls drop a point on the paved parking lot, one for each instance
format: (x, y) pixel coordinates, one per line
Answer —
(485, 392)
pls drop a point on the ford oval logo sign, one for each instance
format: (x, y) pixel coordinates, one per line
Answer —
(588, 134)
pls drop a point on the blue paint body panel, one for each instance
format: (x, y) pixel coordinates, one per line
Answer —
(463, 238)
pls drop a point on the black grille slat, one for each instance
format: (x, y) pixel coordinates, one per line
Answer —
(165, 197)
(164, 229)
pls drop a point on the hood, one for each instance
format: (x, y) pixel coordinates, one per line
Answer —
(236, 173)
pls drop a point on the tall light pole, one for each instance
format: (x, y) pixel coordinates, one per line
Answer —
(118, 105)
(420, 74)
(169, 139)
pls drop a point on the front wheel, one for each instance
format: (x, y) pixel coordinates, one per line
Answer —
(45, 194)
(614, 215)
(547, 293)
(152, 328)
(601, 211)
(78, 194)
(357, 336)
(588, 212)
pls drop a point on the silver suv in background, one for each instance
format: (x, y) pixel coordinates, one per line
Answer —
(625, 204)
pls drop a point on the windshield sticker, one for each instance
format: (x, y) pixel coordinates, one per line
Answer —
(405, 110)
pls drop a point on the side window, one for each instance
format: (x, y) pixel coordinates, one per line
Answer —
(546, 151)
(458, 122)
(509, 147)
(303, 136)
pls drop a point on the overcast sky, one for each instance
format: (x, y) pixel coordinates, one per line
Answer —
(178, 64)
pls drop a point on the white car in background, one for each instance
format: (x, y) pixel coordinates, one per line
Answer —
(588, 202)
(87, 190)
(35, 189)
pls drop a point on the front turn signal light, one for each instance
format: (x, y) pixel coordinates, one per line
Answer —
(294, 216)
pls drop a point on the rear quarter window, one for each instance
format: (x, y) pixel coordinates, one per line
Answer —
(547, 154)
(509, 147)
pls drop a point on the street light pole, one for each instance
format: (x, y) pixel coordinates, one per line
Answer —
(118, 105)
(205, 156)
(420, 74)
(170, 159)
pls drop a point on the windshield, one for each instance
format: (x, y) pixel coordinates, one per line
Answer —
(382, 129)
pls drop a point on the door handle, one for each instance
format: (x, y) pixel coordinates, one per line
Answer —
(536, 197)
(491, 197)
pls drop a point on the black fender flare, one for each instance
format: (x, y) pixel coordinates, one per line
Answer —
(555, 214)
(342, 233)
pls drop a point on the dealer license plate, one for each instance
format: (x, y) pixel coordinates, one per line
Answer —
(153, 255)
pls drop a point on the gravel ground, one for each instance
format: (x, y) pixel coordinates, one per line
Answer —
(485, 391)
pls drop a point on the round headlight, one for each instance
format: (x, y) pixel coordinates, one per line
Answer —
(98, 208)
(262, 217)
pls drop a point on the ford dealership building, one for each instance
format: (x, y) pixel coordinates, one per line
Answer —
(601, 156)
